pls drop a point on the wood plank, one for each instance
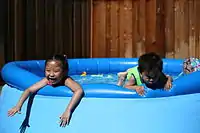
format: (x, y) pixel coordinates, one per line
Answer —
(30, 22)
(177, 29)
(197, 28)
(40, 30)
(99, 22)
(198, 22)
(128, 28)
(169, 29)
(9, 48)
(141, 16)
(91, 26)
(19, 16)
(77, 44)
(49, 27)
(58, 27)
(114, 41)
(134, 29)
(67, 28)
(108, 28)
(85, 28)
(151, 45)
(183, 31)
(191, 29)
(121, 29)
(3, 31)
(160, 28)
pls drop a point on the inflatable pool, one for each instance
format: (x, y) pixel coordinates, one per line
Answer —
(105, 108)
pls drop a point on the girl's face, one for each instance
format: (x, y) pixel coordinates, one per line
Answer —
(148, 78)
(54, 72)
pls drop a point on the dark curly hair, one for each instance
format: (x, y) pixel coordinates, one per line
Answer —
(150, 63)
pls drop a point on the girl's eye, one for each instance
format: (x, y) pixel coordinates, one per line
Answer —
(57, 70)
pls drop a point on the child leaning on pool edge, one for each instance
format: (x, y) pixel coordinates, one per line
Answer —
(56, 68)
(149, 72)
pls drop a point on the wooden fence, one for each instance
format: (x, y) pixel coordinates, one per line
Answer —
(101, 28)
(129, 28)
(34, 29)
(39, 28)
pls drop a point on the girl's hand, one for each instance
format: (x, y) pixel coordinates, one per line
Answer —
(13, 111)
(140, 90)
(65, 118)
(168, 84)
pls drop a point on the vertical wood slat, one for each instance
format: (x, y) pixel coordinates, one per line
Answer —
(84, 27)
(18, 30)
(160, 28)
(40, 29)
(197, 27)
(77, 45)
(67, 36)
(30, 29)
(191, 29)
(142, 27)
(121, 29)
(99, 42)
(114, 40)
(9, 45)
(91, 27)
(107, 28)
(128, 28)
(198, 22)
(88, 29)
(50, 26)
(182, 29)
(169, 28)
(151, 44)
(3, 24)
(58, 27)
(185, 29)
(134, 28)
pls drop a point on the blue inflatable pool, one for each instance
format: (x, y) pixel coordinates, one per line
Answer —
(105, 108)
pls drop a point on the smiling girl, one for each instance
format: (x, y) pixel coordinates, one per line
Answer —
(56, 74)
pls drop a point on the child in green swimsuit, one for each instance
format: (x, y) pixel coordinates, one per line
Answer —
(148, 72)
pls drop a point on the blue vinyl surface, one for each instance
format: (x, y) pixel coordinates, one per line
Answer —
(105, 108)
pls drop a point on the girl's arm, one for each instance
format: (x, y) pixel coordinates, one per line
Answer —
(131, 85)
(76, 98)
(77, 93)
(168, 84)
(26, 94)
(166, 80)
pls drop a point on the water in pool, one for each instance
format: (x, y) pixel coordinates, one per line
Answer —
(99, 79)
(94, 79)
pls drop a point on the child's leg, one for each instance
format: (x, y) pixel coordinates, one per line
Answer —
(121, 78)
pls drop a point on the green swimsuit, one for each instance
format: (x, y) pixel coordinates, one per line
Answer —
(134, 72)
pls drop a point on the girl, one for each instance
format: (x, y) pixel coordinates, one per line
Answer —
(149, 72)
(56, 69)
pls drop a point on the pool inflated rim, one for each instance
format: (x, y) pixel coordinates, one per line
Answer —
(22, 74)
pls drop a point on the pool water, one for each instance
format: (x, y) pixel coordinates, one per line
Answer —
(99, 79)
(96, 79)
